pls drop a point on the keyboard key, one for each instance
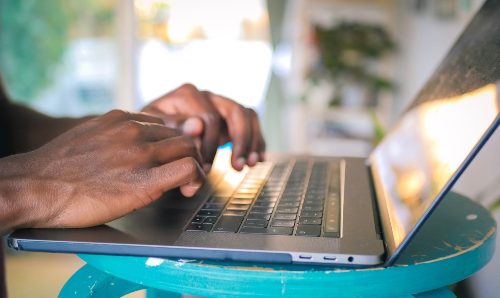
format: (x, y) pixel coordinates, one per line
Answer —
(288, 216)
(332, 227)
(247, 190)
(244, 196)
(261, 210)
(259, 216)
(234, 213)
(271, 188)
(313, 208)
(264, 204)
(313, 204)
(241, 201)
(313, 197)
(218, 200)
(267, 199)
(198, 219)
(235, 207)
(253, 230)
(279, 231)
(213, 206)
(294, 198)
(208, 212)
(308, 230)
(228, 224)
(199, 227)
(287, 210)
(283, 223)
(316, 214)
(269, 195)
(309, 221)
(289, 204)
(210, 220)
(259, 223)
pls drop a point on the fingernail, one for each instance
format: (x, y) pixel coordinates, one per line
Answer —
(207, 167)
(240, 162)
(253, 158)
(190, 126)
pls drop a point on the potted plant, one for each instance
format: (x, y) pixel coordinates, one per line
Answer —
(348, 53)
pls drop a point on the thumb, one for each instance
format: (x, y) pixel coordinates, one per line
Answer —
(190, 126)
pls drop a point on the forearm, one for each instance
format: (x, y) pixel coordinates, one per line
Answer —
(28, 129)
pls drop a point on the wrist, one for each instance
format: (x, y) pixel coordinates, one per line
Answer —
(18, 194)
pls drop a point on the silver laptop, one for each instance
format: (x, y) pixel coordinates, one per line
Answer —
(323, 210)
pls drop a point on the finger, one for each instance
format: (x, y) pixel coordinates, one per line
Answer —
(190, 126)
(145, 117)
(155, 132)
(239, 129)
(212, 126)
(185, 173)
(257, 146)
(120, 115)
(192, 102)
(176, 148)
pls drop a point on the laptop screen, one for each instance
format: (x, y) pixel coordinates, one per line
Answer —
(424, 153)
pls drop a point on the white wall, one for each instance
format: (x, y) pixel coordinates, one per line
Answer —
(423, 40)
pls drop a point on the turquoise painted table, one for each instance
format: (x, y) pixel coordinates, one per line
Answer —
(457, 241)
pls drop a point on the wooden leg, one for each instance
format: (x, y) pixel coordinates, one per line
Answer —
(90, 282)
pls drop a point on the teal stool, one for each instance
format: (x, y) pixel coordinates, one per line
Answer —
(457, 241)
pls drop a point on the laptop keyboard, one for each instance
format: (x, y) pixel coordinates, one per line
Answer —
(300, 197)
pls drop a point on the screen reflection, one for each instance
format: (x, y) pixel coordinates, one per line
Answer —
(415, 162)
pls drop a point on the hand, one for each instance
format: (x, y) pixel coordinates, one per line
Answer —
(98, 171)
(214, 120)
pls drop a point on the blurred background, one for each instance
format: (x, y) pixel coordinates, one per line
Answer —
(327, 77)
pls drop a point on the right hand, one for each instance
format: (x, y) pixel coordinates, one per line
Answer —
(98, 171)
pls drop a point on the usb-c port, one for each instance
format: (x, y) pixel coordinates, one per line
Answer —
(327, 258)
(305, 257)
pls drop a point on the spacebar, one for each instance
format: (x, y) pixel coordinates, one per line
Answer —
(229, 224)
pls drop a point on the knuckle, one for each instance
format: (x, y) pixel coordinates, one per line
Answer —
(191, 166)
(212, 118)
(132, 126)
(252, 113)
(116, 114)
(188, 89)
(147, 148)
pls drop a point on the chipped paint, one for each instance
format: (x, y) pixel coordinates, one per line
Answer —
(477, 243)
(154, 262)
(182, 262)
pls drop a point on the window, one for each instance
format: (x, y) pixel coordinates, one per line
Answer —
(71, 57)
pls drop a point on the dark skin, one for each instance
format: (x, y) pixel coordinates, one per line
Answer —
(215, 120)
(103, 168)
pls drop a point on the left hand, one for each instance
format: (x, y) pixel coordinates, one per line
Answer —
(214, 120)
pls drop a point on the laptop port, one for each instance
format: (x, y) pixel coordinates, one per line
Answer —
(330, 258)
(305, 257)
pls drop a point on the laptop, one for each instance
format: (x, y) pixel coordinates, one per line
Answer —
(322, 210)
